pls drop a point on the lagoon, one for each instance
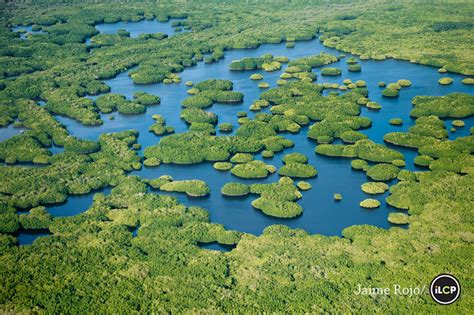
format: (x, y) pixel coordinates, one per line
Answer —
(25, 30)
(137, 28)
(321, 214)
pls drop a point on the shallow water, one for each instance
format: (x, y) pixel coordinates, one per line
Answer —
(321, 213)
(27, 237)
(9, 131)
(28, 30)
(134, 230)
(137, 28)
(74, 205)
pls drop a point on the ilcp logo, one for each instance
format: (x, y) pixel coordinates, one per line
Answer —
(445, 289)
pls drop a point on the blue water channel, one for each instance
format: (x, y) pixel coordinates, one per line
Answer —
(141, 27)
(26, 31)
(321, 214)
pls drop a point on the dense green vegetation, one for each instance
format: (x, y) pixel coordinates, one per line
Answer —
(252, 169)
(204, 94)
(256, 76)
(370, 203)
(305, 64)
(196, 147)
(390, 92)
(445, 81)
(354, 68)
(92, 263)
(302, 185)
(193, 188)
(351, 136)
(110, 102)
(251, 63)
(259, 104)
(235, 189)
(70, 173)
(374, 187)
(295, 166)
(430, 126)
(226, 127)
(468, 81)
(214, 85)
(295, 158)
(197, 115)
(197, 102)
(404, 82)
(202, 127)
(146, 99)
(241, 158)
(222, 166)
(373, 105)
(423, 160)
(37, 218)
(277, 199)
(24, 148)
(363, 149)
(456, 105)
(299, 170)
(159, 127)
(263, 85)
(331, 71)
(266, 62)
(429, 135)
(194, 227)
(398, 218)
(358, 164)
(189, 148)
(156, 183)
(267, 154)
(458, 123)
(335, 114)
(383, 172)
(396, 121)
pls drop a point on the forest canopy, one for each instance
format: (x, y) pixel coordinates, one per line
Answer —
(140, 246)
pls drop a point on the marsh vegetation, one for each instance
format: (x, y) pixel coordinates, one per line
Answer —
(138, 245)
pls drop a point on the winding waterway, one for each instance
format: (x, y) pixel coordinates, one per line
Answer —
(321, 213)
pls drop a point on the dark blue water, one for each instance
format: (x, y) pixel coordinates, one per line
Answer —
(27, 29)
(321, 213)
(27, 237)
(75, 204)
(9, 131)
(135, 230)
(55, 149)
(137, 28)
